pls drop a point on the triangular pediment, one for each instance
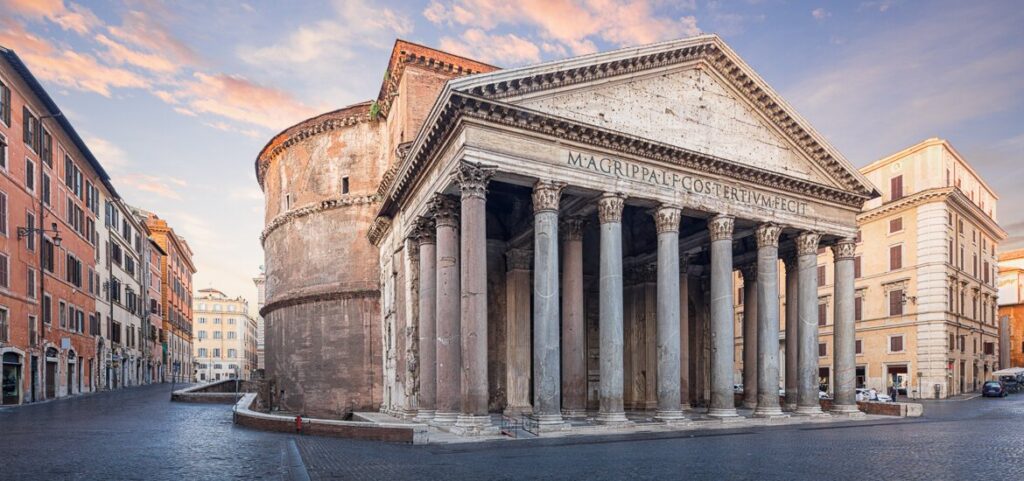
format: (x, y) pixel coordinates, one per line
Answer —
(686, 107)
(695, 94)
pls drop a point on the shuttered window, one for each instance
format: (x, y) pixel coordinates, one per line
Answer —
(895, 225)
(896, 344)
(822, 349)
(895, 257)
(821, 276)
(896, 302)
(858, 306)
(822, 315)
(896, 187)
(857, 347)
(856, 267)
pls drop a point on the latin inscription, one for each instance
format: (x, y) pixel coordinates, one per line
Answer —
(625, 169)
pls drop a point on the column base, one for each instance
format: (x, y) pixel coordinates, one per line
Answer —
(444, 419)
(809, 411)
(408, 413)
(749, 404)
(722, 413)
(424, 415)
(518, 411)
(789, 407)
(545, 423)
(848, 410)
(473, 425)
(769, 412)
(574, 413)
(611, 418)
(671, 417)
(686, 407)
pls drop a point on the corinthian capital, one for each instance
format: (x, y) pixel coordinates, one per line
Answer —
(768, 235)
(721, 227)
(472, 179)
(609, 208)
(572, 228)
(667, 219)
(844, 249)
(546, 194)
(807, 243)
(425, 231)
(749, 272)
(446, 210)
(519, 259)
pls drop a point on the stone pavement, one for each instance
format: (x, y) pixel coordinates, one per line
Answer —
(138, 434)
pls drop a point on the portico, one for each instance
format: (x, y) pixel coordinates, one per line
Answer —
(581, 222)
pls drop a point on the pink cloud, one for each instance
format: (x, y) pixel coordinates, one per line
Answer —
(239, 99)
(119, 54)
(507, 49)
(72, 16)
(165, 187)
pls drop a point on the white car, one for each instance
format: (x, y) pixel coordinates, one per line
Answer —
(866, 395)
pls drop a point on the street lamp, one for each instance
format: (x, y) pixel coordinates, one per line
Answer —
(27, 231)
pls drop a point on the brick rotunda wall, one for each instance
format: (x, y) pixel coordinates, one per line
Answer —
(323, 328)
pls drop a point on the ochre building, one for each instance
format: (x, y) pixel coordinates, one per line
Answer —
(556, 240)
(1011, 304)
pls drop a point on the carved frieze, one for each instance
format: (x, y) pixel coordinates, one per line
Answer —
(546, 195)
(667, 218)
(721, 227)
(609, 208)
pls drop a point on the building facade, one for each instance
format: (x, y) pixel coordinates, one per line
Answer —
(125, 261)
(225, 337)
(153, 255)
(1011, 303)
(176, 271)
(261, 293)
(524, 245)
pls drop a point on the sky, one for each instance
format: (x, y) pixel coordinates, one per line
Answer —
(176, 99)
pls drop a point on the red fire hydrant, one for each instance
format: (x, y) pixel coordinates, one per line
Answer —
(298, 424)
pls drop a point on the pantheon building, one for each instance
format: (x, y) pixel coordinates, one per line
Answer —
(556, 242)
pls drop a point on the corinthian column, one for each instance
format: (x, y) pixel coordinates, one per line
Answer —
(723, 404)
(449, 348)
(609, 212)
(472, 180)
(684, 334)
(547, 412)
(844, 342)
(518, 331)
(425, 238)
(669, 405)
(574, 328)
(792, 330)
(750, 361)
(768, 321)
(807, 387)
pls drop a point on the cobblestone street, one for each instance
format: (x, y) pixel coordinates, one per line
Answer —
(138, 434)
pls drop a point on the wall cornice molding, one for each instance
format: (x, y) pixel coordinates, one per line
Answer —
(324, 205)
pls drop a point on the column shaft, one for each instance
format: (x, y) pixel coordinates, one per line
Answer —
(750, 310)
(723, 402)
(610, 309)
(547, 410)
(427, 321)
(449, 346)
(807, 388)
(574, 328)
(472, 181)
(684, 337)
(768, 321)
(792, 331)
(518, 335)
(844, 329)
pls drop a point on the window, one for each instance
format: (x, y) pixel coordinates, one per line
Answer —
(202, 320)
(73, 271)
(30, 129)
(47, 309)
(960, 225)
(202, 335)
(821, 276)
(858, 308)
(860, 238)
(232, 319)
(858, 347)
(232, 353)
(822, 349)
(344, 185)
(952, 342)
(287, 201)
(822, 314)
(3, 213)
(3, 152)
(952, 255)
(216, 352)
(5, 275)
(856, 267)
(896, 187)
(4, 336)
(202, 352)
(31, 283)
(30, 223)
(895, 225)
(216, 335)
(896, 344)
(62, 314)
(231, 335)
(216, 320)
(896, 302)
(46, 189)
(46, 154)
(895, 257)
(5, 103)
(739, 296)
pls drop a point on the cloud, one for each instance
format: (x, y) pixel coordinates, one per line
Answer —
(166, 187)
(71, 17)
(112, 157)
(354, 24)
(503, 49)
(820, 14)
(880, 5)
(140, 30)
(236, 98)
(574, 25)
(226, 127)
(119, 54)
(66, 67)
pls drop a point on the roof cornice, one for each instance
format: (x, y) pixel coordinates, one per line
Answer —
(954, 195)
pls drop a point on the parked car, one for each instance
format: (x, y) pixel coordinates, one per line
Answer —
(864, 394)
(994, 389)
(1011, 383)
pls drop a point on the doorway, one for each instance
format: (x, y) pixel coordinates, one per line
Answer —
(71, 370)
(823, 379)
(35, 377)
(51, 373)
(861, 377)
(898, 375)
(11, 378)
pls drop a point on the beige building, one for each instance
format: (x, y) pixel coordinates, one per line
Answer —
(1011, 303)
(926, 274)
(225, 337)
